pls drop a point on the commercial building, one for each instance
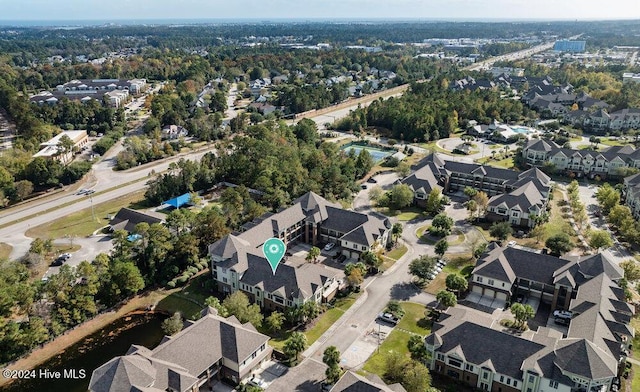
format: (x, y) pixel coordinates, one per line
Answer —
(239, 264)
(207, 350)
(114, 91)
(52, 149)
(474, 349)
(570, 46)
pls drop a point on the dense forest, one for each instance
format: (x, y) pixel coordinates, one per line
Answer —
(431, 111)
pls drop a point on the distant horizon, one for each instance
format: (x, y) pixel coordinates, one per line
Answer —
(55, 22)
(143, 11)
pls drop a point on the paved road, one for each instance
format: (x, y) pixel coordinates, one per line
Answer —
(483, 147)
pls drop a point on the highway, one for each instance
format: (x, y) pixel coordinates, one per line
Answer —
(486, 64)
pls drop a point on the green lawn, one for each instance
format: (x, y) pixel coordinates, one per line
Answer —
(81, 223)
(635, 383)
(420, 231)
(506, 163)
(397, 252)
(405, 214)
(456, 239)
(5, 250)
(397, 340)
(433, 147)
(414, 320)
(190, 299)
(390, 258)
(178, 303)
(462, 264)
(323, 323)
(557, 222)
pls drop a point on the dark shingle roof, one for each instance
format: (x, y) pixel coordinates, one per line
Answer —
(582, 357)
(352, 382)
(127, 219)
(505, 352)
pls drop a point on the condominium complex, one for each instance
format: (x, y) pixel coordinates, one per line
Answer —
(515, 197)
(239, 264)
(609, 162)
(208, 349)
(114, 91)
(473, 348)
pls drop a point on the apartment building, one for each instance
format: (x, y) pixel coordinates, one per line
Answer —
(608, 162)
(516, 197)
(208, 349)
(114, 91)
(631, 194)
(474, 349)
(238, 262)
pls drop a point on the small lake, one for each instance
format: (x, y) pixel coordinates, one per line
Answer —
(137, 328)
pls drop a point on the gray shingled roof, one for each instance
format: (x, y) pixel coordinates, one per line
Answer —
(352, 382)
(181, 359)
(505, 352)
(127, 219)
(289, 281)
(582, 357)
(532, 266)
(121, 373)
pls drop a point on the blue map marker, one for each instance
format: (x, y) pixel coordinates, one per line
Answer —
(273, 250)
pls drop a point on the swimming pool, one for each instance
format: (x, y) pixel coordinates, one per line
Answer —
(521, 129)
(376, 153)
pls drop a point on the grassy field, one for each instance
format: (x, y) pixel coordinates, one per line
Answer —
(461, 264)
(397, 340)
(5, 250)
(81, 223)
(506, 163)
(406, 214)
(390, 258)
(320, 326)
(557, 222)
(190, 299)
(414, 319)
(397, 252)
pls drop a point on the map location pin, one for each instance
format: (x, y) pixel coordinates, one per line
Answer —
(273, 250)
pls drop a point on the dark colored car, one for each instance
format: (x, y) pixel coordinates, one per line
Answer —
(342, 258)
(58, 262)
(562, 321)
(372, 180)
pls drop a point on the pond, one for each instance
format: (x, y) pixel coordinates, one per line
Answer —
(135, 328)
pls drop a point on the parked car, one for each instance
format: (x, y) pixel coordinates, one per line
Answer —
(372, 180)
(257, 382)
(363, 186)
(329, 246)
(565, 314)
(342, 258)
(511, 244)
(562, 321)
(58, 261)
(65, 256)
(437, 269)
(520, 298)
(389, 318)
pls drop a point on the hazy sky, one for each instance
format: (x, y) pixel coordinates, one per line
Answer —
(350, 9)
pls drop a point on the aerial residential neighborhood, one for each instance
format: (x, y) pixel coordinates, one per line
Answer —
(312, 203)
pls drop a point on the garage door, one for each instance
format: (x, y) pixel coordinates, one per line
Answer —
(501, 296)
(489, 293)
(477, 289)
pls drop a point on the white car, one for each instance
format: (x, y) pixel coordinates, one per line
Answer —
(511, 244)
(562, 314)
(256, 381)
(329, 246)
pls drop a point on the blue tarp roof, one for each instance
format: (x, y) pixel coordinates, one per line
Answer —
(179, 201)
